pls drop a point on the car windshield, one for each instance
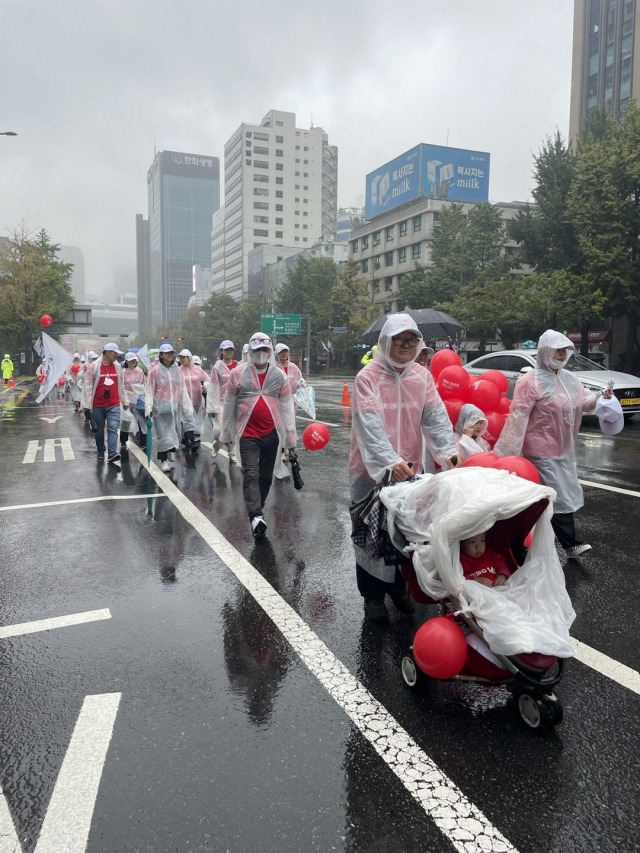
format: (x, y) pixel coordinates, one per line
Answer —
(579, 362)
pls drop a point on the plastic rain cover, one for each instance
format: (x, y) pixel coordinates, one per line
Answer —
(305, 397)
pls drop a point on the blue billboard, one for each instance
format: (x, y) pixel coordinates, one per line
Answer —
(433, 171)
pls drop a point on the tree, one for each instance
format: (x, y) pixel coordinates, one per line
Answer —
(604, 206)
(33, 282)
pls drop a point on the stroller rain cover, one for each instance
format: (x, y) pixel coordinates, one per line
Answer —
(532, 612)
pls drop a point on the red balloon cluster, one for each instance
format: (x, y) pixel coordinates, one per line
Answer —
(457, 387)
(76, 368)
(46, 320)
(517, 465)
(440, 647)
(316, 436)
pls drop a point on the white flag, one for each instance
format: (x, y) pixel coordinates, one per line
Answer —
(56, 362)
(143, 356)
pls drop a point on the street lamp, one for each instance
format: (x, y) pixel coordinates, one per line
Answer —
(8, 133)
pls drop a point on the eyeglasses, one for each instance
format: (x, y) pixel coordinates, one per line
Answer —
(406, 342)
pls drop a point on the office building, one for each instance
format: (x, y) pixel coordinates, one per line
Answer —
(184, 193)
(606, 64)
(280, 189)
(143, 275)
(73, 255)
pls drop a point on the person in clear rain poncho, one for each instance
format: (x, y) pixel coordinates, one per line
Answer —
(258, 408)
(193, 376)
(542, 426)
(396, 407)
(470, 426)
(168, 404)
(134, 378)
(220, 373)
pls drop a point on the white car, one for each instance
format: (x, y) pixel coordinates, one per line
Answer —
(593, 376)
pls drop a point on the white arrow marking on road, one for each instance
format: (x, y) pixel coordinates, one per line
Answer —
(67, 821)
(55, 622)
(50, 420)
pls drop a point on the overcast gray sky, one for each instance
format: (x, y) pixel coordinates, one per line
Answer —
(92, 85)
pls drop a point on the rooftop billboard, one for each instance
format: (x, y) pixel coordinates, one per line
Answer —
(432, 171)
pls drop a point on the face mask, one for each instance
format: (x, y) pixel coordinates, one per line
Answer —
(555, 364)
(260, 358)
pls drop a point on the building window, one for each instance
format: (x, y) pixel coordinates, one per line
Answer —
(279, 124)
(304, 227)
(279, 207)
(297, 200)
(306, 162)
(417, 223)
(388, 259)
(365, 242)
(305, 201)
(261, 164)
(261, 205)
(279, 194)
(264, 137)
(297, 147)
(297, 239)
(376, 238)
(258, 150)
(279, 167)
(376, 262)
(279, 234)
(402, 256)
(279, 221)
(259, 232)
(279, 152)
(297, 213)
(403, 228)
(260, 190)
(365, 265)
(415, 251)
(305, 174)
(354, 246)
(389, 234)
(261, 219)
(279, 180)
(297, 225)
(305, 188)
(263, 179)
(305, 212)
(297, 174)
(280, 139)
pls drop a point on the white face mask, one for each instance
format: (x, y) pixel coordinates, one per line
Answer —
(260, 358)
(556, 364)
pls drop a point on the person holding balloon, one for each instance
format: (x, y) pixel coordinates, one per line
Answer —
(395, 408)
(542, 426)
(258, 407)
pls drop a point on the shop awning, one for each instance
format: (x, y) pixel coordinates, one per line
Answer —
(596, 336)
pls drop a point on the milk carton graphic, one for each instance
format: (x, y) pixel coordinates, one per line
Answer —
(381, 189)
(440, 176)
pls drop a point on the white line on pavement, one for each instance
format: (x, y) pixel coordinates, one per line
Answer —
(611, 488)
(317, 420)
(614, 670)
(81, 501)
(68, 819)
(9, 842)
(55, 622)
(458, 818)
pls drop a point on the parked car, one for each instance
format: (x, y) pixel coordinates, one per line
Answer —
(513, 363)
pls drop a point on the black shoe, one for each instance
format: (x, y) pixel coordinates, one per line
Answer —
(258, 527)
(376, 610)
(403, 603)
(100, 454)
(113, 458)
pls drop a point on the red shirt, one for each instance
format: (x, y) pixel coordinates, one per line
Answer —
(260, 420)
(487, 565)
(114, 392)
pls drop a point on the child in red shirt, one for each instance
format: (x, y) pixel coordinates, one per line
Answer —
(482, 564)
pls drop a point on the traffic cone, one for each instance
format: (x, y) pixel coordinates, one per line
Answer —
(12, 384)
(346, 399)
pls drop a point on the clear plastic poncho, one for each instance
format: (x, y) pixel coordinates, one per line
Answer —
(169, 405)
(193, 377)
(544, 420)
(241, 394)
(532, 612)
(393, 413)
(468, 446)
(220, 373)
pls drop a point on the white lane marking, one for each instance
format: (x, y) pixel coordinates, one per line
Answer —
(611, 488)
(326, 423)
(614, 670)
(9, 842)
(32, 450)
(82, 501)
(67, 822)
(458, 818)
(64, 444)
(55, 622)
(50, 420)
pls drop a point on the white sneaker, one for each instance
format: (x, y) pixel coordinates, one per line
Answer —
(577, 550)
(214, 453)
(232, 459)
(164, 465)
(258, 526)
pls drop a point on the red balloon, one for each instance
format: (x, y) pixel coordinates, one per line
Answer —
(519, 466)
(76, 368)
(481, 460)
(453, 381)
(484, 395)
(453, 410)
(504, 405)
(496, 422)
(440, 648)
(498, 378)
(316, 436)
(46, 320)
(444, 358)
(61, 381)
(528, 539)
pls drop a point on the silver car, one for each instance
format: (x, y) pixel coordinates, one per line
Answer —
(593, 376)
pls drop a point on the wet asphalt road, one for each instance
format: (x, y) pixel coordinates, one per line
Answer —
(223, 737)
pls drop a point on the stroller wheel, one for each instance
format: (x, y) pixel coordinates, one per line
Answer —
(412, 675)
(540, 712)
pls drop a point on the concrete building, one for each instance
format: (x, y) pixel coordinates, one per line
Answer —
(184, 193)
(201, 279)
(606, 61)
(280, 189)
(73, 255)
(143, 273)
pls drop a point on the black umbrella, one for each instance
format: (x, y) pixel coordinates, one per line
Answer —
(433, 324)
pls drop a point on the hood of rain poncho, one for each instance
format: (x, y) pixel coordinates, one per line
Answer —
(549, 342)
(532, 612)
(395, 324)
(469, 416)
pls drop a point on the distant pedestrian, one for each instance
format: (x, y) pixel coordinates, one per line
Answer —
(104, 396)
(169, 405)
(258, 407)
(193, 376)
(294, 378)
(73, 376)
(220, 373)
(7, 368)
(134, 419)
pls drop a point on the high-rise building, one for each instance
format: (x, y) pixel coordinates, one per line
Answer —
(184, 193)
(606, 58)
(143, 276)
(73, 255)
(280, 189)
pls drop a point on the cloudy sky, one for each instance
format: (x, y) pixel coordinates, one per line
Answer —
(91, 86)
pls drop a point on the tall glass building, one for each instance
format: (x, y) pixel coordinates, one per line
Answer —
(606, 60)
(184, 193)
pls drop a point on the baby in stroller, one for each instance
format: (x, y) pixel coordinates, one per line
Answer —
(517, 632)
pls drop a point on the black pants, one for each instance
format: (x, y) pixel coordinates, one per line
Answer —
(371, 587)
(565, 529)
(258, 457)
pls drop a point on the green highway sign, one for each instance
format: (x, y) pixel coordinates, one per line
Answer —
(281, 324)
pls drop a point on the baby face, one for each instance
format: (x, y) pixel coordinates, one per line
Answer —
(474, 430)
(475, 546)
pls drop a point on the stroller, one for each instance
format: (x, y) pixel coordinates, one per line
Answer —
(516, 634)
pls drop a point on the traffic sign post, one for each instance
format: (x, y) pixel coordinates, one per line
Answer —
(281, 324)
